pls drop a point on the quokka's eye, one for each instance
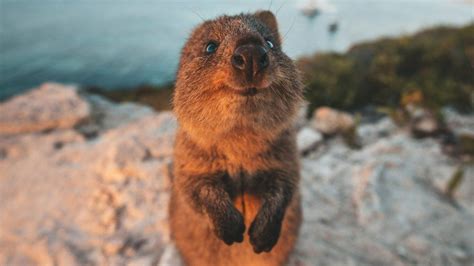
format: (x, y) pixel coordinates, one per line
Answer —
(270, 44)
(211, 47)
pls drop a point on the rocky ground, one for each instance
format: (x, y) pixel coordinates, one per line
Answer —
(86, 181)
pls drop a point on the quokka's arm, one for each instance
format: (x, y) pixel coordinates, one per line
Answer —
(209, 195)
(275, 188)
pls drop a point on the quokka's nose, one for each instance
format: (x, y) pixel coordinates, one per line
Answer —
(251, 59)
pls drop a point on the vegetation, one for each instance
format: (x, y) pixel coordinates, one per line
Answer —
(157, 97)
(435, 66)
(454, 182)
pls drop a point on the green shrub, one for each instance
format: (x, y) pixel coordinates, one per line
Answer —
(438, 62)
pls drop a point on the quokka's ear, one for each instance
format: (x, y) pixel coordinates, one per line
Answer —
(270, 21)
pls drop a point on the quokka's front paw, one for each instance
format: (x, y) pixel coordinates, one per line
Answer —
(229, 226)
(265, 231)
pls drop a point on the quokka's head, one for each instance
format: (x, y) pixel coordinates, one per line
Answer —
(233, 68)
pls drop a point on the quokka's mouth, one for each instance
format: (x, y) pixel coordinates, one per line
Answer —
(250, 91)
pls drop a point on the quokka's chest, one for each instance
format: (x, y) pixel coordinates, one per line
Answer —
(248, 154)
(245, 195)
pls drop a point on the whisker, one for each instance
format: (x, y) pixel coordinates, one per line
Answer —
(278, 10)
(290, 28)
(196, 13)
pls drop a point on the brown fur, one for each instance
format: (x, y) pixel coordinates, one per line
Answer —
(235, 155)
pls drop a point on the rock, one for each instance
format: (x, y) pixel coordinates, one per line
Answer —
(106, 115)
(143, 261)
(90, 200)
(301, 118)
(170, 257)
(423, 122)
(380, 206)
(425, 126)
(330, 121)
(460, 124)
(48, 107)
(460, 140)
(126, 155)
(307, 139)
(371, 132)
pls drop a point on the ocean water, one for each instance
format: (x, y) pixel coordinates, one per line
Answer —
(120, 44)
